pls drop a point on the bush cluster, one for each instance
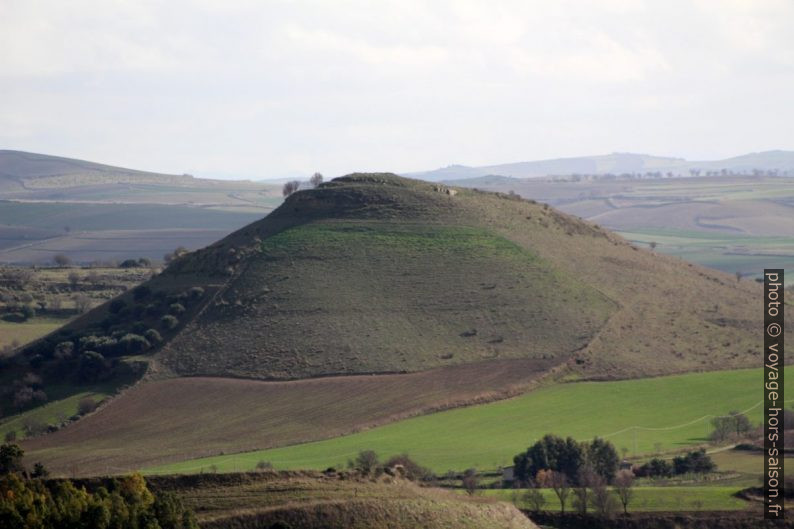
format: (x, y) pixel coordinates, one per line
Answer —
(26, 500)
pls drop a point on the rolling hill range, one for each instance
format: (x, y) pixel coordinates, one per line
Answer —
(732, 223)
(618, 163)
(450, 296)
(95, 212)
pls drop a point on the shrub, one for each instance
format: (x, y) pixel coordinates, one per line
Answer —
(86, 405)
(39, 471)
(14, 317)
(695, 462)
(141, 292)
(33, 426)
(168, 322)
(116, 305)
(27, 311)
(366, 462)
(91, 366)
(264, 465)
(133, 343)
(64, 350)
(411, 469)
(153, 310)
(153, 336)
(195, 292)
(176, 309)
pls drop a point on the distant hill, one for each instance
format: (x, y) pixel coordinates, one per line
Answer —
(37, 171)
(83, 209)
(616, 163)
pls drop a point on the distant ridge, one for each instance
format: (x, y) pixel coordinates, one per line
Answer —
(21, 170)
(617, 163)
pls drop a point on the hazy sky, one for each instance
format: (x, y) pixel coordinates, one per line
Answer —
(270, 88)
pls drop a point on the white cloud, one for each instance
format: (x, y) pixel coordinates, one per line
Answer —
(261, 88)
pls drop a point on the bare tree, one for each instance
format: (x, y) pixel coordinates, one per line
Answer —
(73, 278)
(316, 179)
(62, 260)
(535, 499)
(559, 484)
(82, 303)
(93, 277)
(624, 483)
(602, 498)
(366, 461)
(581, 493)
(738, 277)
(471, 481)
(290, 187)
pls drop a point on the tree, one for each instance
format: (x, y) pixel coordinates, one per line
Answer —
(602, 499)
(587, 477)
(652, 244)
(91, 366)
(316, 179)
(366, 462)
(559, 484)
(93, 277)
(290, 187)
(39, 471)
(738, 277)
(178, 252)
(11, 458)
(73, 278)
(735, 424)
(624, 483)
(535, 499)
(86, 405)
(603, 458)
(62, 260)
(81, 303)
(470, 481)
(551, 452)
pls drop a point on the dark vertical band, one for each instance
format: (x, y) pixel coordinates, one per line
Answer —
(773, 393)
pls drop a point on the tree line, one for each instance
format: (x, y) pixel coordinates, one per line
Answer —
(28, 499)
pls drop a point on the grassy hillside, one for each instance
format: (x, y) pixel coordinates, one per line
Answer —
(312, 500)
(665, 413)
(297, 296)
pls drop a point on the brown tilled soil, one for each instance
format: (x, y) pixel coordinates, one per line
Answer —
(169, 420)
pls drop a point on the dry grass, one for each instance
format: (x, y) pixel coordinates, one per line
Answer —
(314, 500)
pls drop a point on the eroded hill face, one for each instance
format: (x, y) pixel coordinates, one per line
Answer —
(377, 274)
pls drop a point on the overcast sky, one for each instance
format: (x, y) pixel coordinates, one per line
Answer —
(268, 88)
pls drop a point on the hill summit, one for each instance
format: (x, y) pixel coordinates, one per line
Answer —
(375, 273)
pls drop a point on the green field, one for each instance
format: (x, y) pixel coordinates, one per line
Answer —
(647, 499)
(13, 334)
(665, 413)
(724, 251)
(54, 412)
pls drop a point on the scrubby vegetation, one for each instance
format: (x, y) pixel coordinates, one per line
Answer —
(28, 500)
